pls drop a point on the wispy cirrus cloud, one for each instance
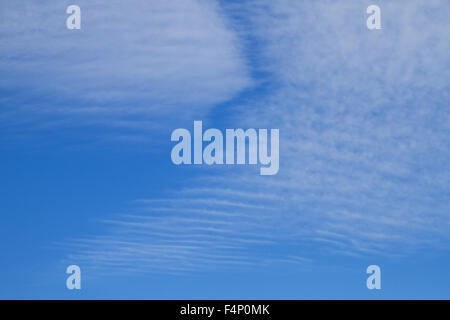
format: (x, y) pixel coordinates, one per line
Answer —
(139, 61)
(194, 234)
(364, 116)
(364, 138)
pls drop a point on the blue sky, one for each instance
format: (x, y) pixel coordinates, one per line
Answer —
(85, 123)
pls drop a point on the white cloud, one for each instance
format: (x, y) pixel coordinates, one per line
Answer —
(364, 137)
(157, 58)
(363, 117)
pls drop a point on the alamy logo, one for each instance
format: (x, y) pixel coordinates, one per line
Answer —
(374, 20)
(74, 280)
(236, 142)
(374, 280)
(74, 20)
